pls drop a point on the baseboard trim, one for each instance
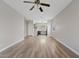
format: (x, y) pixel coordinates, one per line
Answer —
(74, 51)
(10, 45)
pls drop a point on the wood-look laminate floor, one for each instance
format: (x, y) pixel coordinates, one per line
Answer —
(38, 47)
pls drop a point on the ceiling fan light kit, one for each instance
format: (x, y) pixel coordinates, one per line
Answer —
(37, 2)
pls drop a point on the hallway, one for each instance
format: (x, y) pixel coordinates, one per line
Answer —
(38, 47)
(39, 28)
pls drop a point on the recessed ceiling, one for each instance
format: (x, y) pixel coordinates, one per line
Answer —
(56, 6)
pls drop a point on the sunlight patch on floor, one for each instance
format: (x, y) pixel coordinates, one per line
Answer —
(42, 39)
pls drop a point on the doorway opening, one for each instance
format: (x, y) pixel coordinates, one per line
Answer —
(40, 29)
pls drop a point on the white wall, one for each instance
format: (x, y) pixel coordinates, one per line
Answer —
(67, 25)
(30, 28)
(11, 25)
(25, 28)
(49, 27)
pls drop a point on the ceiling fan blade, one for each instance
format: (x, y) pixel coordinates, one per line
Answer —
(44, 4)
(41, 9)
(28, 2)
(32, 8)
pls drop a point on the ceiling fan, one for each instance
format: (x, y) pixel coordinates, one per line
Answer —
(37, 2)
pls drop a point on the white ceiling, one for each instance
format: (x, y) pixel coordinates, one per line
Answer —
(56, 6)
